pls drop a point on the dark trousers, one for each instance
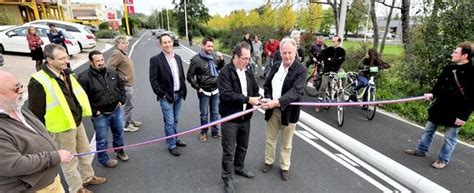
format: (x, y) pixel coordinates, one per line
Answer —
(233, 157)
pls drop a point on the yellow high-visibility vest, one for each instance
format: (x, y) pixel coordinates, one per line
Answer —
(58, 117)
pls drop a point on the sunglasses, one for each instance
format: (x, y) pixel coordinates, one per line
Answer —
(18, 88)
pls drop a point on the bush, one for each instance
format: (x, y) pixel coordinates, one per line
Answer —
(104, 26)
(106, 34)
(6, 19)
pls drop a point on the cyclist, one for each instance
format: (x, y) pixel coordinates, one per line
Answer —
(333, 57)
(371, 60)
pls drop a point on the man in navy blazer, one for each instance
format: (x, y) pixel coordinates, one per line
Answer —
(168, 82)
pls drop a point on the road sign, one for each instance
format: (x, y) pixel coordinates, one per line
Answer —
(130, 9)
(128, 1)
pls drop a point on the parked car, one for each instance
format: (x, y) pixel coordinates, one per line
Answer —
(82, 33)
(157, 32)
(14, 39)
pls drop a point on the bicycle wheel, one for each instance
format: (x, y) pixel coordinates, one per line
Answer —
(371, 108)
(328, 99)
(340, 109)
(310, 87)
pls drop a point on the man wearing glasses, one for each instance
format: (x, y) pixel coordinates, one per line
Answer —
(30, 158)
(58, 100)
(453, 96)
(238, 92)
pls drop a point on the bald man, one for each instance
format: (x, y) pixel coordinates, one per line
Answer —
(30, 158)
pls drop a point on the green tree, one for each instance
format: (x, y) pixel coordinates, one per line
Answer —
(355, 15)
(327, 21)
(197, 13)
(268, 17)
(286, 18)
(310, 18)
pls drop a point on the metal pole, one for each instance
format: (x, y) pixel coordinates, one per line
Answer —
(162, 25)
(342, 19)
(125, 13)
(168, 19)
(367, 22)
(186, 18)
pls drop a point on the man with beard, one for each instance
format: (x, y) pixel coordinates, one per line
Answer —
(202, 75)
(30, 158)
(106, 93)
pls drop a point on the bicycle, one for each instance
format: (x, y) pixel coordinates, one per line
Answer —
(367, 94)
(313, 82)
(335, 93)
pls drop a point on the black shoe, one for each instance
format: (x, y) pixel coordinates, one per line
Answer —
(266, 168)
(262, 77)
(174, 152)
(353, 98)
(414, 152)
(229, 186)
(245, 173)
(122, 156)
(285, 174)
(180, 143)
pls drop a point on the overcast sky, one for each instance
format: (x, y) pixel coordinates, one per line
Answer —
(221, 7)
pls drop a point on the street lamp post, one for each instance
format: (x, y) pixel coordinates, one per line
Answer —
(186, 18)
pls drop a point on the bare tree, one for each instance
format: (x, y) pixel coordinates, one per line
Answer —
(387, 27)
(373, 16)
(405, 11)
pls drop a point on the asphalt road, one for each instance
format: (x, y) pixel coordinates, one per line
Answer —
(318, 165)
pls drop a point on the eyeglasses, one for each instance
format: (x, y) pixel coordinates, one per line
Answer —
(18, 88)
(244, 58)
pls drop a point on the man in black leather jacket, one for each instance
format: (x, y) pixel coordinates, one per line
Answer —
(106, 93)
(202, 75)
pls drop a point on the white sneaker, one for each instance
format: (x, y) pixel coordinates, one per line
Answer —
(131, 128)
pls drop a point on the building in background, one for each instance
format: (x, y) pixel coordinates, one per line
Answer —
(88, 13)
(22, 11)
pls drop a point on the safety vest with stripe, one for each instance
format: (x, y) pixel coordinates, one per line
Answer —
(58, 117)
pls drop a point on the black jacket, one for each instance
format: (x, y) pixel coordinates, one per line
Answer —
(292, 91)
(199, 75)
(37, 97)
(161, 78)
(231, 97)
(449, 103)
(333, 59)
(104, 90)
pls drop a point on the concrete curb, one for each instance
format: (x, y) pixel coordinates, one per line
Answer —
(407, 177)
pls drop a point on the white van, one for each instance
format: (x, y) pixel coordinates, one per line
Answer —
(81, 33)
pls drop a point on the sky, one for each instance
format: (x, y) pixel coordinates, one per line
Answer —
(221, 7)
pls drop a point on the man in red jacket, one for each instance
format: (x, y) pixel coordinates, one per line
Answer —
(270, 48)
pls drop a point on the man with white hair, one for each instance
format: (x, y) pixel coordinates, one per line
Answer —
(30, 158)
(284, 85)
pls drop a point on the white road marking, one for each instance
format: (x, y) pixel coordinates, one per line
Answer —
(307, 134)
(347, 159)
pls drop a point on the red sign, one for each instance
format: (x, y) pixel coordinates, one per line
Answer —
(130, 9)
(128, 1)
(111, 15)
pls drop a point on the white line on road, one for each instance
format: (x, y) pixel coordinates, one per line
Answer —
(307, 134)
(135, 44)
(342, 156)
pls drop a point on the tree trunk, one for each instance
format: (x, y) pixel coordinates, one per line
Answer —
(335, 10)
(405, 11)
(374, 24)
(387, 28)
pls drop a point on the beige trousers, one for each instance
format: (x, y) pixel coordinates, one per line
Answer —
(55, 187)
(274, 129)
(79, 170)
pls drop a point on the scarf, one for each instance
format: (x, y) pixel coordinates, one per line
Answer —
(210, 63)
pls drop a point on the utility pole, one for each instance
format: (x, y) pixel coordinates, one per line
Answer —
(367, 22)
(162, 25)
(342, 20)
(125, 14)
(186, 18)
(168, 19)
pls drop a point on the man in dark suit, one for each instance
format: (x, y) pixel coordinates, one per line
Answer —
(168, 83)
(284, 85)
(238, 92)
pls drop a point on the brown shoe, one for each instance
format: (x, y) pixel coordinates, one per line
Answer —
(96, 180)
(83, 190)
(203, 137)
(266, 168)
(414, 152)
(285, 174)
(438, 164)
(112, 163)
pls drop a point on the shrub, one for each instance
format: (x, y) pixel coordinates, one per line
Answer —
(104, 26)
(106, 34)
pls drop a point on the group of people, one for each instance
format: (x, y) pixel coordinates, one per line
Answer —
(35, 43)
(37, 140)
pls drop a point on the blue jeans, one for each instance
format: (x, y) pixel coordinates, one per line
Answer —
(362, 82)
(204, 103)
(450, 141)
(102, 123)
(170, 118)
